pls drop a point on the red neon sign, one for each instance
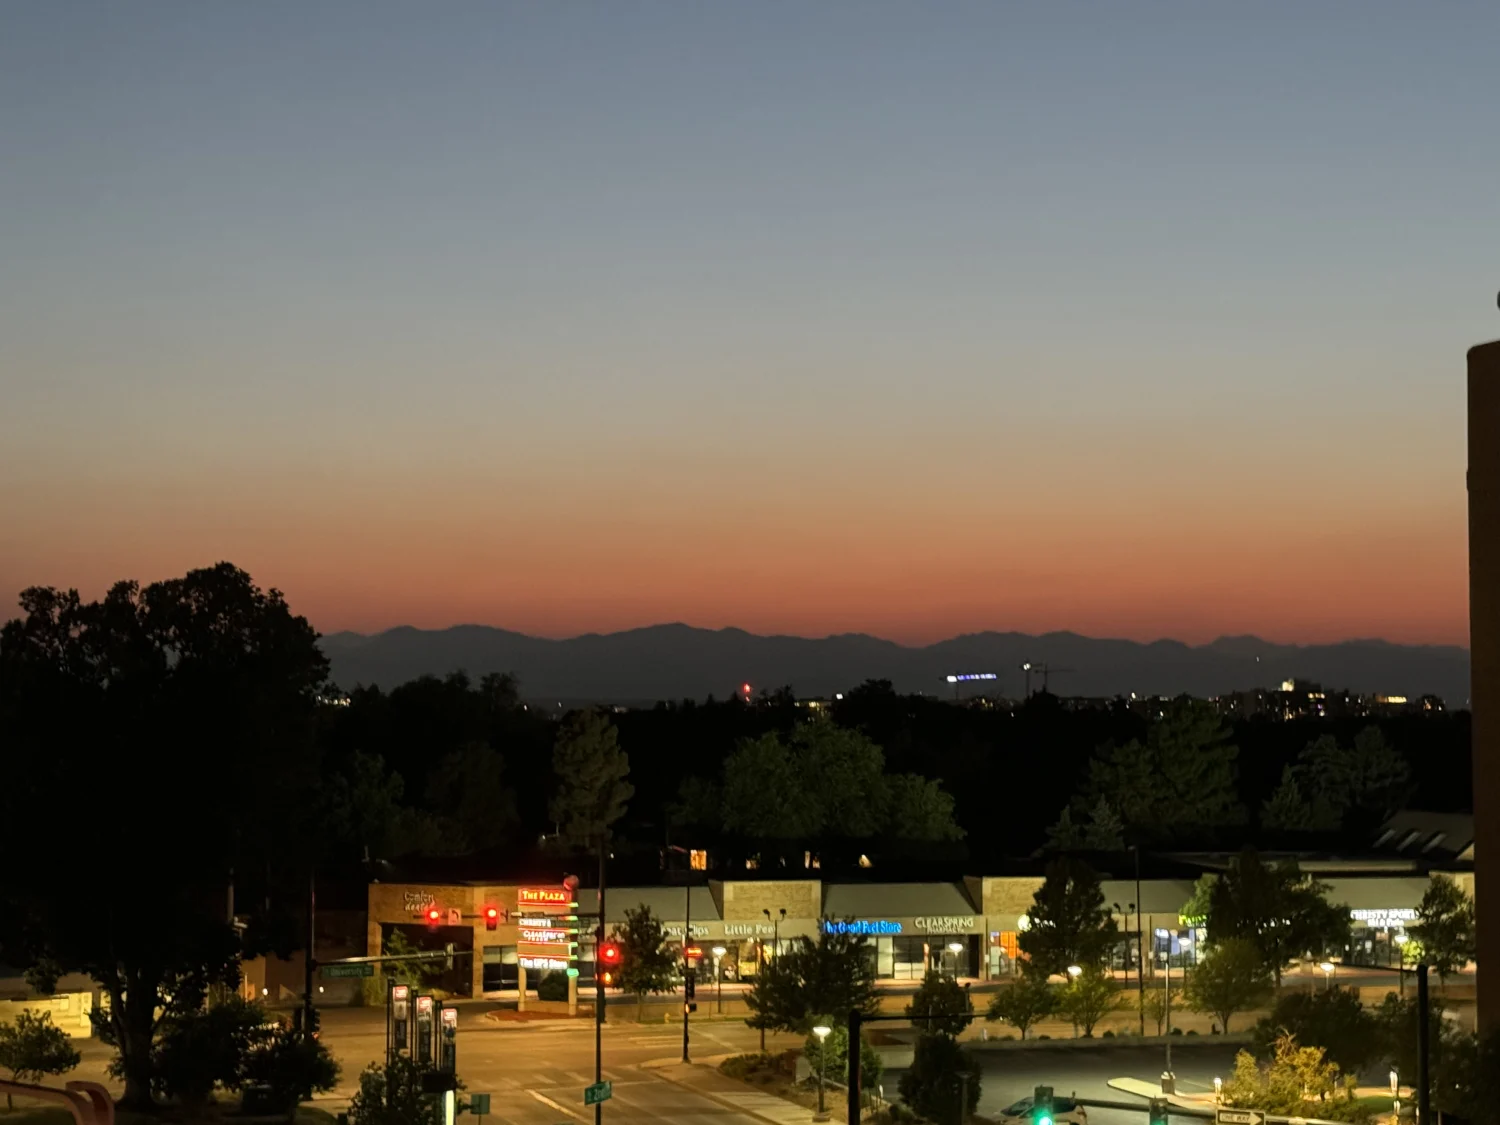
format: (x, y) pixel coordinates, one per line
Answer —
(544, 896)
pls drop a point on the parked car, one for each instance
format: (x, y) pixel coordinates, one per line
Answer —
(1065, 1111)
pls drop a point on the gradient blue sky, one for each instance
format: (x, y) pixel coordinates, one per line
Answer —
(1137, 319)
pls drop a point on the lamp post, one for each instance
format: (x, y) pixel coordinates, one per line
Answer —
(955, 948)
(1168, 1079)
(822, 1033)
(1218, 1089)
(1140, 940)
(1328, 968)
(1395, 1083)
(775, 938)
(719, 952)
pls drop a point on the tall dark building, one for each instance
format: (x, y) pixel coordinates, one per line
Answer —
(1484, 646)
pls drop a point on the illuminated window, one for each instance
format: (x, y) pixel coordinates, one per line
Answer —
(698, 859)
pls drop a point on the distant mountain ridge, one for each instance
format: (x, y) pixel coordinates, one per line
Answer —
(680, 661)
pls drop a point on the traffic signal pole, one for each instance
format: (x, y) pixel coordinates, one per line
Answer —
(310, 962)
(599, 991)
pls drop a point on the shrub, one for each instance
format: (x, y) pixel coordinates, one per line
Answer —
(931, 1087)
(833, 1054)
(32, 1047)
(391, 1095)
(1334, 1020)
(552, 986)
(198, 1052)
(293, 1067)
(944, 999)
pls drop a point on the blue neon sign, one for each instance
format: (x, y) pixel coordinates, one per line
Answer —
(866, 926)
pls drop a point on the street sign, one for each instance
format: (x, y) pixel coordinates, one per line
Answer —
(479, 1104)
(598, 1092)
(358, 969)
(1224, 1116)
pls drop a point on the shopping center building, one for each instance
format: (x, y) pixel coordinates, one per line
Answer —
(969, 926)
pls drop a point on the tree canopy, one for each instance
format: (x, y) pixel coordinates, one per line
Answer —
(1279, 910)
(591, 772)
(1233, 978)
(1331, 785)
(165, 698)
(1445, 927)
(831, 975)
(646, 964)
(1181, 780)
(1068, 922)
(824, 781)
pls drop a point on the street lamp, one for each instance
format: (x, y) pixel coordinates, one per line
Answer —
(955, 948)
(719, 952)
(822, 1034)
(1328, 968)
(1168, 1079)
(1075, 971)
(1395, 1083)
(1218, 1089)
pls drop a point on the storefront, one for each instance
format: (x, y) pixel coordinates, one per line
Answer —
(969, 929)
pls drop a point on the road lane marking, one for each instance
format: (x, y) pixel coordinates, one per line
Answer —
(546, 1101)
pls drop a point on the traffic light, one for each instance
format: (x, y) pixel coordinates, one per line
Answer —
(491, 917)
(690, 985)
(609, 962)
(433, 916)
(1041, 1106)
(314, 1022)
(1158, 1111)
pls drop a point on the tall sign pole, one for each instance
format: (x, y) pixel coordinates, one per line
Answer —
(687, 965)
(599, 939)
(1484, 658)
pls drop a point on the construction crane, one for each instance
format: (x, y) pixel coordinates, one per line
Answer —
(1046, 671)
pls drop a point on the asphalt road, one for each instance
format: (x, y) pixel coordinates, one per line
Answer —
(536, 1073)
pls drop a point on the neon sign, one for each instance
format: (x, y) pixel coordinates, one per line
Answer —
(544, 896)
(864, 926)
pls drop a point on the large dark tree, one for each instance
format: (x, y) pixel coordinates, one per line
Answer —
(171, 728)
(1179, 783)
(1068, 923)
(1277, 908)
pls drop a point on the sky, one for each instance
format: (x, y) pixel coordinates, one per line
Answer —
(1139, 320)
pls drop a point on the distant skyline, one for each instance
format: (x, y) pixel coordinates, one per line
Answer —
(1139, 321)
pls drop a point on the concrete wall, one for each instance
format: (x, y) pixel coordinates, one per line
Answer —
(70, 1011)
(1484, 653)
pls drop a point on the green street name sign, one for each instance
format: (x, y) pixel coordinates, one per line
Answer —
(598, 1092)
(359, 969)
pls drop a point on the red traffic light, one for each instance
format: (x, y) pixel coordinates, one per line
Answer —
(609, 953)
(693, 953)
(491, 917)
(433, 914)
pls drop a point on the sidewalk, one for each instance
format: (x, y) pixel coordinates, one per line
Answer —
(704, 1079)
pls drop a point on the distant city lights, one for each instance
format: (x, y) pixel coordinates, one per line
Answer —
(964, 677)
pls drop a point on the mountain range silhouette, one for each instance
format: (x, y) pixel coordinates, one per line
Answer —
(682, 662)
